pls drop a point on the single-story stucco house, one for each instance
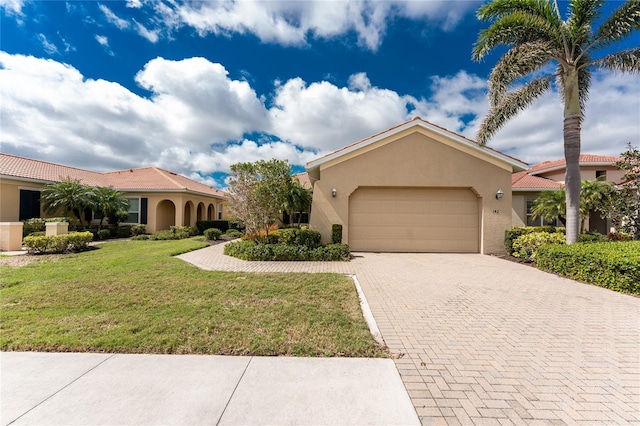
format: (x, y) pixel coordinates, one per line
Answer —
(415, 187)
(549, 176)
(157, 198)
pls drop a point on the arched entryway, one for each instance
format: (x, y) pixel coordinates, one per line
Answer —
(165, 215)
(200, 214)
(211, 212)
(188, 208)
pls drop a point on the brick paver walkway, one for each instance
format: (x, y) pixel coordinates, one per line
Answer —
(480, 340)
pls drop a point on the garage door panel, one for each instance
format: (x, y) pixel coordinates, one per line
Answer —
(414, 219)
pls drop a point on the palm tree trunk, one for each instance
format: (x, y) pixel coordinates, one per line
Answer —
(572, 155)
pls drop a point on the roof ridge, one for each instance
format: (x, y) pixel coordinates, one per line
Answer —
(169, 178)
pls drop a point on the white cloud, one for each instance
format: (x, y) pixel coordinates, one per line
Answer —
(293, 22)
(324, 117)
(113, 18)
(151, 35)
(48, 47)
(196, 120)
(12, 7)
(104, 42)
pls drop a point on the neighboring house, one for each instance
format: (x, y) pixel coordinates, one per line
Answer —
(157, 198)
(549, 175)
(415, 187)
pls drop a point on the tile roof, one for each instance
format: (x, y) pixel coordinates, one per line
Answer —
(303, 179)
(585, 159)
(523, 180)
(147, 178)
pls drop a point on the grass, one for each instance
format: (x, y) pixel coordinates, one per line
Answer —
(133, 297)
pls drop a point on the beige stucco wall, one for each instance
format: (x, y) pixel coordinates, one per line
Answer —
(415, 158)
(519, 208)
(10, 197)
(587, 173)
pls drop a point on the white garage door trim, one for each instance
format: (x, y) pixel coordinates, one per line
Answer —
(414, 219)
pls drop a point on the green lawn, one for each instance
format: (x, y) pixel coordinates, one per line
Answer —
(133, 297)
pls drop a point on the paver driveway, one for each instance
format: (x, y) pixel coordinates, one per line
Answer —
(481, 340)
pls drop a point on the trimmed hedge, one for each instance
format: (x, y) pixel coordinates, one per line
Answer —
(336, 233)
(73, 241)
(30, 226)
(614, 265)
(295, 237)
(249, 250)
(174, 233)
(222, 225)
(526, 246)
(233, 233)
(212, 233)
(510, 235)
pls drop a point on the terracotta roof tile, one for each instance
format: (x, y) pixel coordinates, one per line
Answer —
(585, 159)
(523, 180)
(147, 178)
(303, 179)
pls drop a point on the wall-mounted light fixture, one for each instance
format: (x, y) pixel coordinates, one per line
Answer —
(499, 194)
(334, 192)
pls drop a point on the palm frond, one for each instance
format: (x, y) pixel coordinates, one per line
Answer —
(517, 62)
(500, 8)
(511, 105)
(514, 29)
(583, 14)
(619, 25)
(624, 61)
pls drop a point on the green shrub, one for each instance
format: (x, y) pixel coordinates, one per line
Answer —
(591, 237)
(526, 246)
(30, 226)
(336, 233)
(103, 234)
(123, 231)
(309, 238)
(249, 250)
(614, 265)
(138, 230)
(619, 236)
(203, 225)
(140, 237)
(233, 233)
(212, 233)
(510, 235)
(37, 234)
(73, 241)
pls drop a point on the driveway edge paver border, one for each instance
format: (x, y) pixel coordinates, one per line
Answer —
(366, 312)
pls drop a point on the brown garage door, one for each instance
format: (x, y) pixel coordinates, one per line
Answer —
(414, 220)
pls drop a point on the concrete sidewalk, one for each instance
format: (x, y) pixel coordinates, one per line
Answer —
(73, 388)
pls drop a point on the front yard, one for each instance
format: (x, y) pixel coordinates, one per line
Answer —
(133, 297)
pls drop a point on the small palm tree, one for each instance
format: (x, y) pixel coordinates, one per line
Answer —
(595, 196)
(550, 205)
(107, 202)
(298, 200)
(536, 36)
(68, 196)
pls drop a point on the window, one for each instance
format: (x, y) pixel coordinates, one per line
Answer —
(29, 204)
(219, 211)
(538, 221)
(134, 211)
(601, 174)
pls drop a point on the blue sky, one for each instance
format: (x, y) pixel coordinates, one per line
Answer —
(195, 87)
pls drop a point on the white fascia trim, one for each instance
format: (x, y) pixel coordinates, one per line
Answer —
(408, 125)
(25, 179)
(131, 190)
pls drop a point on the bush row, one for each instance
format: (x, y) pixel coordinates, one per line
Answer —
(614, 265)
(222, 225)
(294, 237)
(510, 235)
(526, 246)
(73, 241)
(30, 226)
(249, 250)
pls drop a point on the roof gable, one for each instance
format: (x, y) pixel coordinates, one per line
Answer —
(417, 124)
(584, 160)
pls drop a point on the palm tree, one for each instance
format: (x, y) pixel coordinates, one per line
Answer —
(68, 196)
(595, 196)
(550, 205)
(537, 36)
(298, 200)
(107, 202)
